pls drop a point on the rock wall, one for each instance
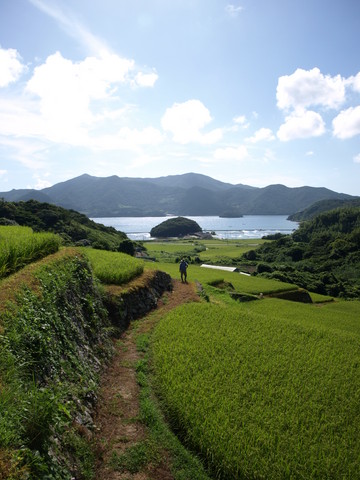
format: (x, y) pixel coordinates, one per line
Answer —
(123, 306)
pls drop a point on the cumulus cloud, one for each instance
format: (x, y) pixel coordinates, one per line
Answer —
(261, 135)
(11, 66)
(70, 102)
(303, 124)
(185, 121)
(305, 88)
(347, 123)
(357, 158)
(239, 153)
(64, 91)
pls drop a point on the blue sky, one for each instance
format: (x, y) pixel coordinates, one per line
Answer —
(256, 92)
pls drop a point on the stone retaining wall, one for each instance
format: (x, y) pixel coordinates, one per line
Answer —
(127, 305)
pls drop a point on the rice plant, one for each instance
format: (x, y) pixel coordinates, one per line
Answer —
(20, 246)
(268, 390)
(113, 267)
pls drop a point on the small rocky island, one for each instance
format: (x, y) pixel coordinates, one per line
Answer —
(176, 227)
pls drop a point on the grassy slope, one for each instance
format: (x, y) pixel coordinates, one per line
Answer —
(53, 340)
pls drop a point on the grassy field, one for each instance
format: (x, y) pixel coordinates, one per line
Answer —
(214, 251)
(241, 283)
(20, 246)
(268, 389)
(113, 267)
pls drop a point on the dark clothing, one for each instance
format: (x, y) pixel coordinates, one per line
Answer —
(183, 267)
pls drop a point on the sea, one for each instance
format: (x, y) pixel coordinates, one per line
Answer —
(246, 227)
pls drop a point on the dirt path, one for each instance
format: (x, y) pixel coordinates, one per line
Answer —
(117, 420)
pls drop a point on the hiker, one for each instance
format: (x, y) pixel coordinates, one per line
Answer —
(183, 270)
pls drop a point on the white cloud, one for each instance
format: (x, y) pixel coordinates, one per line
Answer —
(239, 153)
(186, 120)
(71, 102)
(263, 134)
(357, 158)
(241, 119)
(3, 172)
(40, 182)
(146, 79)
(68, 102)
(354, 82)
(302, 124)
(10, 66)
(347, 123)
(233, 10)
(306, 88)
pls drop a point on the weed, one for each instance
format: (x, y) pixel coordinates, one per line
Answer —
(135, 457)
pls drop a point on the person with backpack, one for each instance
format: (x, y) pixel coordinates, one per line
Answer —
(183, 270)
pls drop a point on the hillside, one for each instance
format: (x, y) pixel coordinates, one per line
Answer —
(73, 227)
(322, 255)
(321, 207)
(188, 194)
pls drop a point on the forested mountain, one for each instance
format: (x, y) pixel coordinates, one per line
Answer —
(322, 255)
(188, 194)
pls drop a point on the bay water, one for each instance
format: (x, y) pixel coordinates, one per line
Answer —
(248, 226)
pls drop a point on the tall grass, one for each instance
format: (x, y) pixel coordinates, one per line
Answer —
(113, 267)
(20, 246)
(261, 392)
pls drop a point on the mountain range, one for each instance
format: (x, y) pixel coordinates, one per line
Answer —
(189, 194)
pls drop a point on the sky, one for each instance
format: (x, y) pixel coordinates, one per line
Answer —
(253, 92)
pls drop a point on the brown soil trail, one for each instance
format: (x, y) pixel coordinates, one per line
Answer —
(117, 418)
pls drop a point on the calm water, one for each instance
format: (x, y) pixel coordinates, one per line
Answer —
(248, 226)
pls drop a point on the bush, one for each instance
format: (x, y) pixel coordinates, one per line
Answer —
(127, 246)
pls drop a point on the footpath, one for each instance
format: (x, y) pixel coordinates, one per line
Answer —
(121, 437)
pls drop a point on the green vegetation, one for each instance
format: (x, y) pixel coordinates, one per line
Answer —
(54, 338)
(323, 255)
(184, 464)
(113, 267)
(73, 227)
(266, 389)
(20, 246)
(241, 283)
(323, 206)
(215, 252)
(175, 227)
